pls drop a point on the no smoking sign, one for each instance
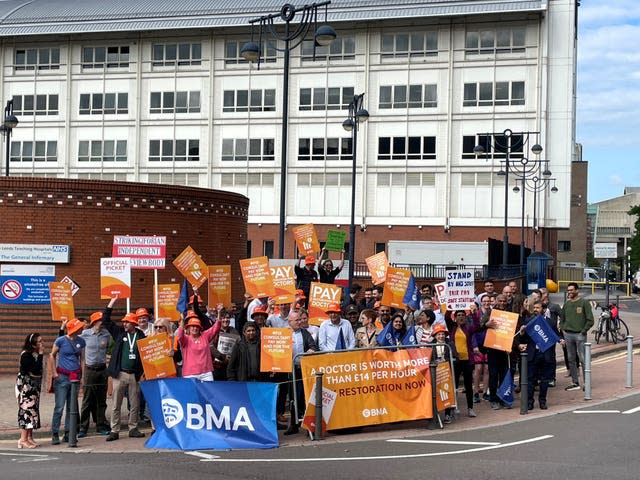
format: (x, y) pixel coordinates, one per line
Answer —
(11, 289)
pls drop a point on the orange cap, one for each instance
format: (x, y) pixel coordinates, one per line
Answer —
(309, 260)
(95, 316)
(194, 322)
(300, 294)
(74, 325)
(260, 310)
(142, 312)
(131, 318)
(333, 308)
(438, 328)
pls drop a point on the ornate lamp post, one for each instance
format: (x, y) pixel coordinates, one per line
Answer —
(10, 122)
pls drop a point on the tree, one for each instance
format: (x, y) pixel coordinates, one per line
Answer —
(634, 242)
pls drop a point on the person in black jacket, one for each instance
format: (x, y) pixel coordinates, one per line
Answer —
(244, 364)
(125, 367)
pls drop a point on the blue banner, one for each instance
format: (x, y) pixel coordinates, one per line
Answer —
(189, 414)
(505, 391)
(412, 295)
(541, 333)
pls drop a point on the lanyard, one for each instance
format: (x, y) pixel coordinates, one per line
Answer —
(132, 343)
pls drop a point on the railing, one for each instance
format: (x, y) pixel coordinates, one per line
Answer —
(480, 272)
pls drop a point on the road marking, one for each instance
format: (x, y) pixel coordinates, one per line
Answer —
(440, 442)
(29, 457)
(382, 457)
(596, 411)
(206, 456)
(633, 410)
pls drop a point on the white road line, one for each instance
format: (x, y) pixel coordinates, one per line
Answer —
(440, 442)
(633, 410)
(205, 456)
(596, 411)
(382, 457)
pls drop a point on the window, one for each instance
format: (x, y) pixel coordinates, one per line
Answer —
(321, 179)
(406, 148)
(174, 150)
(35, 105)
(419, 44)
(415, 96)
(181, 54)
(564, 245)
(380, 247)
(334, 98)
(175, 102)
(109, 57)
(245, 100)
(253, 149)
(490, 94)
(268, 248)
(324, 149)
(104, 103)
(232, 52)
(189, 179)
(40, 151)
(102, 151)
(37, 59)
(244, 179)
(495, 147)
(489, 42)
(342, 48)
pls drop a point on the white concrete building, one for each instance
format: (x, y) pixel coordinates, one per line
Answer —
(155, 91)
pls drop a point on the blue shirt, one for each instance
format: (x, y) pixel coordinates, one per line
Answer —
(69, 352)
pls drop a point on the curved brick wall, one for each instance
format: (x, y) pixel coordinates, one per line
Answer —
(86, 214)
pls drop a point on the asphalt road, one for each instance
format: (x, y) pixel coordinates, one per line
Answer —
(593, 442)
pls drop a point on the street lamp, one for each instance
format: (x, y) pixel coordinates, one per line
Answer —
(292, 36)
(508, 143)
(536, 184)
(10, 122)
(357, 114)
(629, 273)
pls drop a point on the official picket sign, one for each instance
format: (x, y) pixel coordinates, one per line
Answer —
(189, 414)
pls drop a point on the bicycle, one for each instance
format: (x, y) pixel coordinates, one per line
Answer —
(610, 325)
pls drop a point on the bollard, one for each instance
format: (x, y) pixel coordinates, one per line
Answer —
(436, 422)
(524, 383)
(317, 434)
(73, 414)
(587, 371)
(629, 361)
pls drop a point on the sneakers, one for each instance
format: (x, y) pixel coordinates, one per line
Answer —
(81, 434)
(447, 419)
(471, 413)
(495, 406)
(486, 397)
(571, 387)
(55, 439)
(551, 384)
(476, 398)
(113, 436)
(135, 433)
(104, 432)
(543, 405)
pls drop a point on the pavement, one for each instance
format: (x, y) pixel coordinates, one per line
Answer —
(608, 382)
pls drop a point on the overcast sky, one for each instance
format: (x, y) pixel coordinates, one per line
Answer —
(608, 107)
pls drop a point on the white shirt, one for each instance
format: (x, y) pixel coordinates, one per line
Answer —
(313, 330)
(252, 306)
(276, 321)
(298, 345)
(329, 332)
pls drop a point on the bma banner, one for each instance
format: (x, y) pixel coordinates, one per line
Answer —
(369, 387)
(541, 333)
(192, 415)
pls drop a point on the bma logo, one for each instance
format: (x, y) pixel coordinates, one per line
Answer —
(172, 412)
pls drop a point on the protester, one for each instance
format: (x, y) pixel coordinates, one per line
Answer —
(366, 335)
(68, 357)
(498, 360)
(335, 331)
(303, 317)
(28, 385)
(222, 344)
(244, 364)
(326, 271)
(352, 314)
(305, 275)
(144, 321)
(424, 324)
(443, 353)
(194, 344)
(461, 335)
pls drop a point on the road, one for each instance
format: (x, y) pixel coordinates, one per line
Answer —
(593, 442)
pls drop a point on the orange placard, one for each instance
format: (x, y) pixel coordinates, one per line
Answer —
(445, 392)
(395, 287)
(153, 353)
(191, 266)
(369, 387)
(115, 277)
(306, 239)
(377, 265)
(168, 295)
(257, 277)
(501, 337)
(284, 281)
(276, 354)
(61, 301)
(220, 285)
(321, 295)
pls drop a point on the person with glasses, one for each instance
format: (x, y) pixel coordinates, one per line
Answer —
(576, 318)
(222, 344)
(28, 384)
(327, 273)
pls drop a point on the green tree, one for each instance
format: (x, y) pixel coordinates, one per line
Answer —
(634, 243)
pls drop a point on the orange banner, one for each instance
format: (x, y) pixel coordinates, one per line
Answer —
(306, 239)
(155, 361)
(276, 354)
(395, 287)
(257, 277)
(377, 265)
(220, 285)
(370, 387)
(284, 281)
(321, 295)
(445, 388)
(61, 301)
(501, 336)
(168, 295)
(191, 266)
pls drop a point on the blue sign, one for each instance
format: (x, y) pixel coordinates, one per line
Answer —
(190, 415)
(541, 333)
(25, 290)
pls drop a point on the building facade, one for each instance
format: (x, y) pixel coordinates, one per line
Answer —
(157, 92)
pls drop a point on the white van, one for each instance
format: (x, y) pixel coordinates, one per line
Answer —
(591, 276)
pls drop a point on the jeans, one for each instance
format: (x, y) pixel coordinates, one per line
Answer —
(62, 395)
(575, 350)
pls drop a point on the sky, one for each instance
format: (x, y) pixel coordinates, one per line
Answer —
(608, 101)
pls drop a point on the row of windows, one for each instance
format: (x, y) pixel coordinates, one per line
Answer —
(249, 100)
(102, 151)
(104, 103)
(322, 179)
(392, 45)
(35, 105)
(40, 151)
(174, 150)
(175, 102)
(235, 149)
(244, 179)
(419, 96)
(324, 149)
(333, 98)
(406, 148)
(493, 94)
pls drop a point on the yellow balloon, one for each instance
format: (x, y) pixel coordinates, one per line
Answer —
(552, 287)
